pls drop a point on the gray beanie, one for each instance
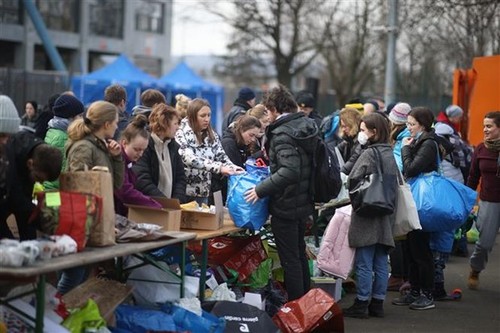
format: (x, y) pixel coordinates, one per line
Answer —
(9, 117)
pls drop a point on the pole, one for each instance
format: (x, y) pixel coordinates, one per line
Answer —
(390, 67)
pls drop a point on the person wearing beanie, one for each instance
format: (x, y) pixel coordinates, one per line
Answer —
(244, 102)
(305, 101)
(399, 131)
(66, 109)
(451, 116)
(9, 118)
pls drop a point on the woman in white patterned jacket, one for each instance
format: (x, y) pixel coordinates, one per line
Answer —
(201, 151)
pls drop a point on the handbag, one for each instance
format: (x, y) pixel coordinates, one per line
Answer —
(374, 195)
(406, 211)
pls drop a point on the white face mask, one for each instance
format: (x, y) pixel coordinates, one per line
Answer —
(362, 138)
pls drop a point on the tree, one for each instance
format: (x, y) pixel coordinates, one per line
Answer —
(288, 32)
(352, 51)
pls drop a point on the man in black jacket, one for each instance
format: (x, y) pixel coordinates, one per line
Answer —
(291, 140)
(244, 102)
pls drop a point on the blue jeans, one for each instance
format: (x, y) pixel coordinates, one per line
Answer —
(71, 278)
(372, 271)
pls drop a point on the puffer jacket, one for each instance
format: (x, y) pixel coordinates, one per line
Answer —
(398, 144)
(291, 140)
(420, 156)
(56, 137)
(90, 152)
(200, 160)
(366, 231)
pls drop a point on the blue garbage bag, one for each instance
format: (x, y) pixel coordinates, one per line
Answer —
(140, 320)
(245, 214)
(442, 203)
(190, 322)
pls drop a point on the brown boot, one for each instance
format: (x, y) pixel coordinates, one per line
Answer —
(473, 281)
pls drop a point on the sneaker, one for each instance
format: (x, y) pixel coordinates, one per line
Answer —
(423, 303)
(473, 281)
(405, 300)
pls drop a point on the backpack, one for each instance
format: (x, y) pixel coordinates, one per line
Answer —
(326, 182)
(461, 154)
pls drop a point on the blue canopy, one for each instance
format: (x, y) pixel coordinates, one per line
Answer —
(183, 80)
(89, 88)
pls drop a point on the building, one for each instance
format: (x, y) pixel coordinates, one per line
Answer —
(83, 31)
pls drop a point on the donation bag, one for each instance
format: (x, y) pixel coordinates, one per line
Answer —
(100, 183)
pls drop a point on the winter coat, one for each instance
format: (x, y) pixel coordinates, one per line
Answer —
(420, 156)
(367, 231)
(350, 149)
(290, 143)
(57, 136)
(314, 115)
(239, 108)
(398, 144)
(200, 160)
(147, 170)
(128, 194)
(17, 191)
(90, 152)
(238, 154)
(123, 120)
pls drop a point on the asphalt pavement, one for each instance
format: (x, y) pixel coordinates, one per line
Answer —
(478, 311)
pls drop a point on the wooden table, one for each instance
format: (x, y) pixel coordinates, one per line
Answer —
(204, 236)
(88, 256)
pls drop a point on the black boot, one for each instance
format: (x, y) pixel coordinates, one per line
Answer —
(439, 293)
(358, 310)
(376, 308)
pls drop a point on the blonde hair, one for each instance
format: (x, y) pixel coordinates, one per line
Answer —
(352, 118)
(98, 114)
(258, 111)
(182, 104)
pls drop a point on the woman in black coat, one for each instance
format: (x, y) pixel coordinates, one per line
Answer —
(419, 155)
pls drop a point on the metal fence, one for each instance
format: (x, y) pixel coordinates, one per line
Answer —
(21, 85)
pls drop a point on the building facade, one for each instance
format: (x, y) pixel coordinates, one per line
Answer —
(83, 31)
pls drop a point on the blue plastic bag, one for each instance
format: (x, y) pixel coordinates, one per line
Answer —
(245, 214)
(191, 322)
(442, 204)
(140, 320)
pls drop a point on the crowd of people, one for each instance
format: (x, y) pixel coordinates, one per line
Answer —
(161, 150)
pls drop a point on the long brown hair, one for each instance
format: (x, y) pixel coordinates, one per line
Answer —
(379, 123)
(244, 123)
(192, 115)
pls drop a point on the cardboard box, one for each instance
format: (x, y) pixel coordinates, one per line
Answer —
(203, 220)
(169, 217)
(331, 285)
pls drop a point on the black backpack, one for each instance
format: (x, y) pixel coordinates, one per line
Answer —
(326, 182)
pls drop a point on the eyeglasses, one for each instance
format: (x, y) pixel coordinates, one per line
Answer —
(408, 124)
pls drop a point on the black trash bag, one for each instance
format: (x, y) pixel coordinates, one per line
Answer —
(241, 317)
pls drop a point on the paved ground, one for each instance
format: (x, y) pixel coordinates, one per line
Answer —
(478, 311)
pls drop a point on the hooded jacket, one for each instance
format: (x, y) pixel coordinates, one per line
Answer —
(291, 141)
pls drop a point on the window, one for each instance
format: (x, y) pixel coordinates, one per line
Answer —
(106, 18)
(149, 16)
(10, 11)
(59, 14)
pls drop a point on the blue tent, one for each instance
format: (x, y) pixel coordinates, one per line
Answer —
(183, 80)
(89, 88)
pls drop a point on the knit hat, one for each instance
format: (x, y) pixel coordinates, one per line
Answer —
(399, 113)
(453, 111)
(67, 106)
(9, 117)
(246, 94)
(305, 99)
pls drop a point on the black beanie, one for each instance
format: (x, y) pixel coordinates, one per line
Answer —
(67, 106)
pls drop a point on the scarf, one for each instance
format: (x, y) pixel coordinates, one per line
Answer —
(493, 145)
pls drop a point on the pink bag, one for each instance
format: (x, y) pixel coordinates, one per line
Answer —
(335, 256)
